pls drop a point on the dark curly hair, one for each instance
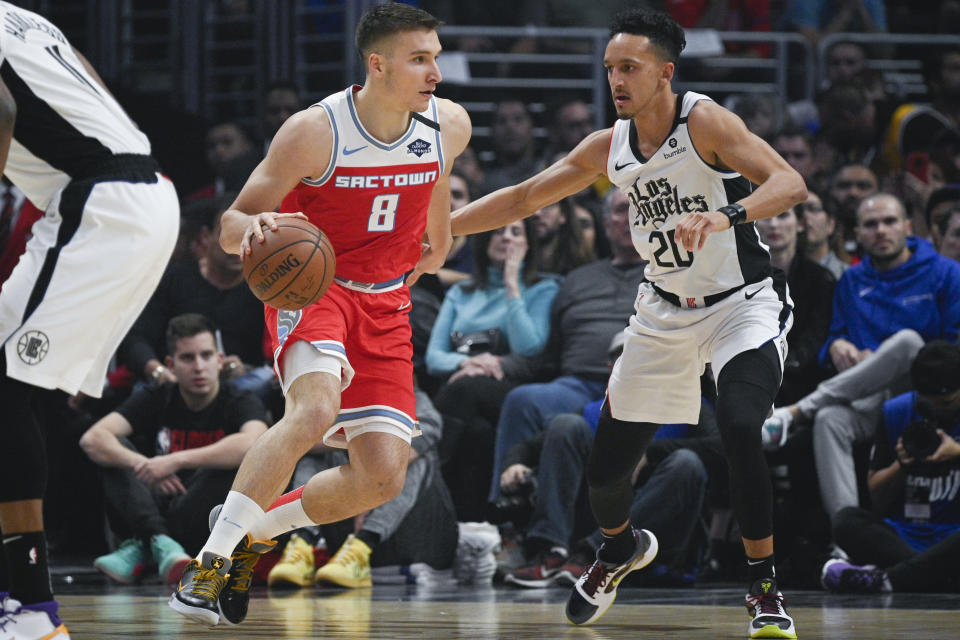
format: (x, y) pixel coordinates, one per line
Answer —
(662, 31)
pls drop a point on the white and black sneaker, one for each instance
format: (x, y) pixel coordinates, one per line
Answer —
(596, 589)
(766, 606)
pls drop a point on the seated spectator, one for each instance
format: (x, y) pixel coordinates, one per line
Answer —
(281, 99)
(848, 123)
(811, 289)
(505, 307)
(851, 184)
(191, 435)
(231, 156)
(418, 526)
(213, 286)
(940, 202)
(948, 234)
(819, 230)
(563, 245)
(459, 264)
(594, 303)
(902, 295)
(919, 127)
(844, 61)
(795, 144)
(760, 112)
(915, 468)
(503, 311)
(817, 18)
(515, 153)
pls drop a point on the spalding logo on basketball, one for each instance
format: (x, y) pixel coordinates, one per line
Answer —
(293, 267)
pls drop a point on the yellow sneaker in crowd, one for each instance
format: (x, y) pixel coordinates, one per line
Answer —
(349, 566)
(296, 565)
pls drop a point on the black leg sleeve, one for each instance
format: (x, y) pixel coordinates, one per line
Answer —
(745, 391)
(617, 448)
(23, 456)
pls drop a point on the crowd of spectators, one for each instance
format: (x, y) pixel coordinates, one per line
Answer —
(513, 340)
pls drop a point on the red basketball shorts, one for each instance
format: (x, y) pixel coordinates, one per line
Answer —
(369, 333)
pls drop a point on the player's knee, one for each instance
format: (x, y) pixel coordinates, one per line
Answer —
(384, 482)
(312, 417)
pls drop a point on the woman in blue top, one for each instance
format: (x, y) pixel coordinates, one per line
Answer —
(484, 325)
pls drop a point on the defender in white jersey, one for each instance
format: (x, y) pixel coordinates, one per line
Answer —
(95, 257)
(711, 296)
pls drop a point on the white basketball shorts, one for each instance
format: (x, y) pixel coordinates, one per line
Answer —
(657, 378)
(87, 273)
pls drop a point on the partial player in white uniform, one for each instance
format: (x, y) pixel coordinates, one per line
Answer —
(688, 166)
(94, 259)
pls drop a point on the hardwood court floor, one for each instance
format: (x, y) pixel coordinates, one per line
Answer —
(502, 613)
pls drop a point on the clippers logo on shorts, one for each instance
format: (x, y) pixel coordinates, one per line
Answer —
(286, 322)
(418, 147)
(32, 347)
(657, 200)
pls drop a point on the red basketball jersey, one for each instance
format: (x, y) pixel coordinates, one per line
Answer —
(372, 200)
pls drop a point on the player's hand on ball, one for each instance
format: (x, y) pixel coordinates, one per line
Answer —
(256, 225)
(693, 228)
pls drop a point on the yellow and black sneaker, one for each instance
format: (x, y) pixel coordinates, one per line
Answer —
(235, 596)
(769, 617)
(200, 586)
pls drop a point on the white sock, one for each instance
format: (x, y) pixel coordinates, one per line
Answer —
(280, 519)
(238, 515)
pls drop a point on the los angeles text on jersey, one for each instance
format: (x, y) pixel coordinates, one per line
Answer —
(386, 181)
(657, 200)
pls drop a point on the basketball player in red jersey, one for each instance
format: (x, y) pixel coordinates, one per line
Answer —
(370, 166)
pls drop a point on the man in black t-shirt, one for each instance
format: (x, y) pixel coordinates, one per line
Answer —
(196, 433)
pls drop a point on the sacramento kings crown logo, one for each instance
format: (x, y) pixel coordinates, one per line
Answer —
(286, 321)
(418, 147)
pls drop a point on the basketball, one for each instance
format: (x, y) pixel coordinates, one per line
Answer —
(293, 267)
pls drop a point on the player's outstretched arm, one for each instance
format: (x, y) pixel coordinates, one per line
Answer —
(301, 149)
(572, 173)
(723, 140)
(456, 127)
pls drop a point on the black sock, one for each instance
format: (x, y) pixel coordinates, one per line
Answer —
(758, 568)
(618, 549)
(369, 538)
(29, 576)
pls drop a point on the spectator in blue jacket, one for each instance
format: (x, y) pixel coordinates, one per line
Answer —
(900, 296)
(915, 473)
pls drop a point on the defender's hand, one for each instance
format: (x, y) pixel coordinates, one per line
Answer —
(693, 228)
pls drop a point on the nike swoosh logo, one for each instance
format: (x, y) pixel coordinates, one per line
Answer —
(617, 167)
(865, 291)
(228, 520)
(750, 295)
(347, 152)
(403, 306)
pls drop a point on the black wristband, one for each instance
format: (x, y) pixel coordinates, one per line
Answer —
(735, 213)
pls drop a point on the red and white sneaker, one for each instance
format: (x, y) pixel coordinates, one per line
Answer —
(596, 589)
(549, 568)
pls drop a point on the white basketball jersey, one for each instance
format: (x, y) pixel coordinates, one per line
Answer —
(66, 122)
(662, 189)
